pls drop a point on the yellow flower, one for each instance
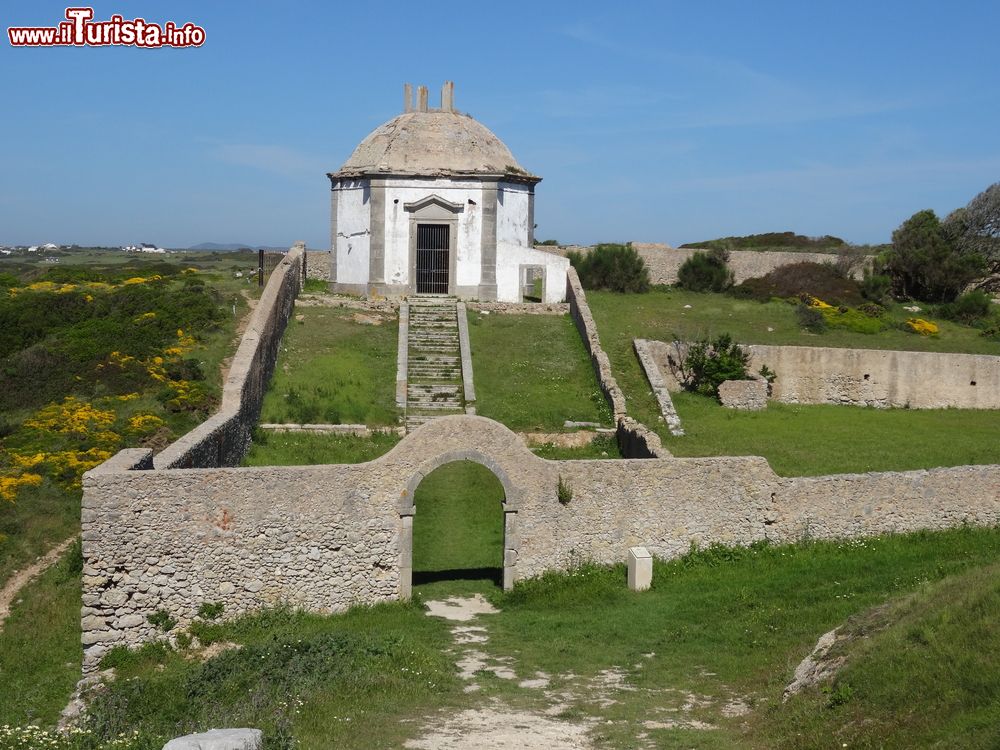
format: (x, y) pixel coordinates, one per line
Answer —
(144, 316)
(819, 304)
(923, 327)
(134, 280)
(144, 422)
(10, 485)
(128, 397)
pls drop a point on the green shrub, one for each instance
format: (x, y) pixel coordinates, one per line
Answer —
(706, 272)
(618, 268)
(810, 318)
(162, 620)
(875, 287)
(970, 308)
(704, 365)
(820, 280)
(564, 492)
(210, 610)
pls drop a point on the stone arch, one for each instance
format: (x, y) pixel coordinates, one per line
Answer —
(407, 508)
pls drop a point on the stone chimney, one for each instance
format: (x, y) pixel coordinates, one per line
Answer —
(421, 98)
(448, 96)
(407, 97)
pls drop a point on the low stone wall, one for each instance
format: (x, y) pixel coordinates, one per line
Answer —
(745, 395)
(870, 377)
(634, 439)
(224, 438)
(326, 537)
(644, 351)
(520, 308)
(664, 261)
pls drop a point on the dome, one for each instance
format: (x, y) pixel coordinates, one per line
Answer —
(433, 143)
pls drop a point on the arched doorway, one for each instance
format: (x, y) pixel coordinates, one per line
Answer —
(458, 522)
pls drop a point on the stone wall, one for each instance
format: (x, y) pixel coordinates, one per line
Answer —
(869, 377)
(745, 395)
(664, 261)
(318, 264)
(224, 438)
(634, 439)
(644, 351)
(326, 537)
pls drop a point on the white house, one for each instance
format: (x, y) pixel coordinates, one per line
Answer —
(432, 202)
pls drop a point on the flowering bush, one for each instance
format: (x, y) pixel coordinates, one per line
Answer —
(921, 326)
(33, 737)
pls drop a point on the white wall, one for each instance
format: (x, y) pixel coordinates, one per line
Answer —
(512, 213)
(397, 228)
(510, 258)
(353, 232)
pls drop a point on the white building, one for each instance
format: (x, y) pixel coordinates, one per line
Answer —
(432, 202)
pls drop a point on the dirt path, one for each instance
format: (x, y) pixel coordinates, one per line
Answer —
(22, 578)
(538, 718)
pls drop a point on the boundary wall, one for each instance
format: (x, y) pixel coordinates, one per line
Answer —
(868, 377)
(634, 439)
(664, 261)
(224, 438)
(324, 538)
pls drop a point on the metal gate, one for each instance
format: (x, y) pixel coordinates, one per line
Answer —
(432, 258)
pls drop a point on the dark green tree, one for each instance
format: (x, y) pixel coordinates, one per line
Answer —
(706, 272)
(925, 262)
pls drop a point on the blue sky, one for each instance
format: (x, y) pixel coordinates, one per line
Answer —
(662, 121)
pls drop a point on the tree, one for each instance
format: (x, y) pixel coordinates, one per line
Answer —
(925, 262)
(976, 230)
(616, 267)
(706, 272)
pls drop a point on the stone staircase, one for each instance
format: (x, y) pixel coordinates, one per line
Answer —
(434, 361)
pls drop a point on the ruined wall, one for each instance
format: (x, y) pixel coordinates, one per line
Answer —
(327, 537)
(223, 439)
(318, 264)
(869, 377)
(664, 261)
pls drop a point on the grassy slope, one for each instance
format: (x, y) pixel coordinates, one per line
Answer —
(40, 650)
(532, 372)
(796, 439)
(927, 676)
(332, 369)
(344, 681)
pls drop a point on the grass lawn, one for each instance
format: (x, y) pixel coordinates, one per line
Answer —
(532, 372)
(334, 369)
(303, 448)
(797, 440)
(40, 652)
(828, 439)
(458, 526)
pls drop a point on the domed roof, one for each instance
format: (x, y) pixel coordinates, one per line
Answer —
(433, 143)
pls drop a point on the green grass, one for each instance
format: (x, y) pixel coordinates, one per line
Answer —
(930, 666)
(532, 372)
(797, 440)
(40, 652)
(602, 446)
(333, 369)
(829, 439)
(734, 622)
(458, 526)
(337, 681)
(303, 448)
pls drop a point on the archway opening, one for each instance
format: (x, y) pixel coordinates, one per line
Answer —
(458, 525)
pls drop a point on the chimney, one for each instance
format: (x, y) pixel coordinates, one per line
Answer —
(421, 98)
(448, 96)
(407, 97)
